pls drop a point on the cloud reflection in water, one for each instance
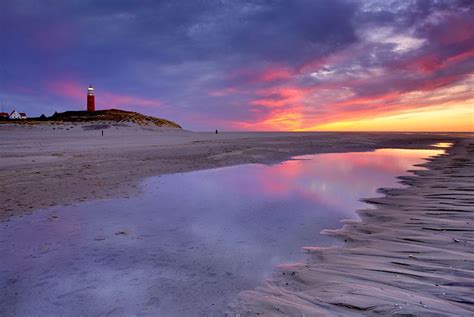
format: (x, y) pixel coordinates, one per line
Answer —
(198, 237)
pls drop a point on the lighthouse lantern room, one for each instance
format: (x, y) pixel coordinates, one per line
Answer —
(90, 99)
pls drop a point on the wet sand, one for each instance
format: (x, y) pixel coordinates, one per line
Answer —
(51, 165)
(411, 255)
(138, 256)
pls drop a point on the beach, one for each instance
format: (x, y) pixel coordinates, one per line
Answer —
(412, 255)
(59, 164)
(83, 194)
(235, 158)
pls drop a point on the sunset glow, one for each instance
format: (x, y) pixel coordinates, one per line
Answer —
(453, 119)
(296, 65)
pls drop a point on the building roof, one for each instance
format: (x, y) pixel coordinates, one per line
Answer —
(23, 114)
(3, 114)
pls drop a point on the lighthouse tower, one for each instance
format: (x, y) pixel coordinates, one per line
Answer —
(90, 99)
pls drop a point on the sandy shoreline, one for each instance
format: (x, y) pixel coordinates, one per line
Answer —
(53, 165)
(411, 255)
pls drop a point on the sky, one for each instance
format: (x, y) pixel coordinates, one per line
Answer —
(297, 65)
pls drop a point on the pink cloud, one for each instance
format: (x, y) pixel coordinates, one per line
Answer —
(433, 62)
(112, 99)
(104, 99)
(451, 28)
(275, 73)
(67, 88)
(269, 74)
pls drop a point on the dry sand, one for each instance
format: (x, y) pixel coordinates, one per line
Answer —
(59, 164)
(413, 255)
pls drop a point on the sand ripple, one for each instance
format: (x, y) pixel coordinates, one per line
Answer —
(413, 255)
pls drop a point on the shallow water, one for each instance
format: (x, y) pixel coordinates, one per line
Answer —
(190, 242)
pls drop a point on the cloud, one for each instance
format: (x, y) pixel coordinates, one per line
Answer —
(401, 43)
(75, 91)
(236, 64)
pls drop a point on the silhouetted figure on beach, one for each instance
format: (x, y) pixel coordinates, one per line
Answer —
(216, 132)
(102, 132)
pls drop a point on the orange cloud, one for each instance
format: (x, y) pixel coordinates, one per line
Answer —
(280, 96)
(291, 108)
(277, 119)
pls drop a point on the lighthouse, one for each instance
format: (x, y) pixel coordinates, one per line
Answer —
(90, 99)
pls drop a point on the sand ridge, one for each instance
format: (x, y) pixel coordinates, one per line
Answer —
(412, 255)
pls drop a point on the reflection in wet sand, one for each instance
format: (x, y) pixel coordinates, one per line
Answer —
(191, 241)
(443, 145)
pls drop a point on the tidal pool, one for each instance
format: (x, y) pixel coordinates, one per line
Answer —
(189, 243)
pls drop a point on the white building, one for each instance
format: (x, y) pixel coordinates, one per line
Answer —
(17, 115)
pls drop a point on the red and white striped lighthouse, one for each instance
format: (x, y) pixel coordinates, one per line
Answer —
(90, 99)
